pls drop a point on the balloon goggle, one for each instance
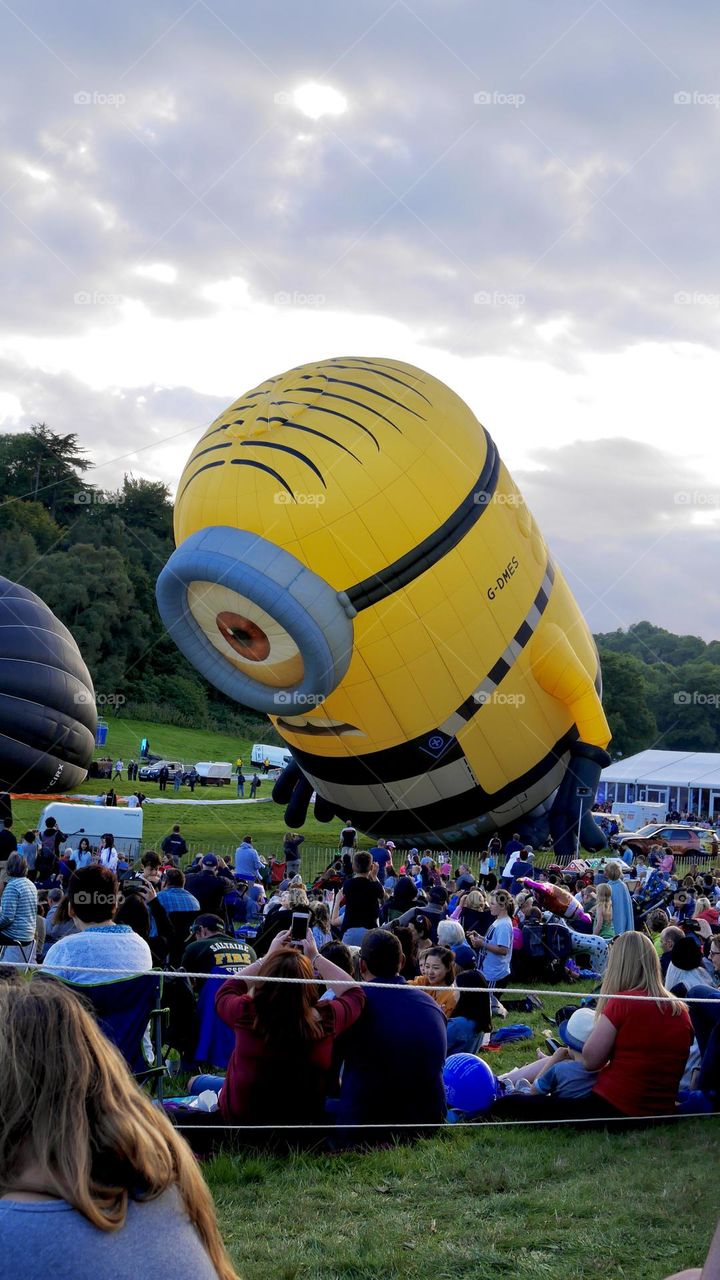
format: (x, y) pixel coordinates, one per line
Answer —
(269, 632)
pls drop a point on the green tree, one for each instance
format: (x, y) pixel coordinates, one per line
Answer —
(624, 699)
(41, 466)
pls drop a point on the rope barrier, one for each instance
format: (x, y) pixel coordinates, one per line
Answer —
(498, 992)
(444, 1124)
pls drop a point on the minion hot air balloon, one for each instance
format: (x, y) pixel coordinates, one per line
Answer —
(354, 559)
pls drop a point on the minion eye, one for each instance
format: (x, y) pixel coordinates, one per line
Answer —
(256, 622)
(245, 634)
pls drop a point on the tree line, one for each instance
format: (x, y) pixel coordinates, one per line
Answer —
(94, 556)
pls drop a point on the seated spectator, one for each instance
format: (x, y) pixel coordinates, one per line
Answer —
(668, 938)
(212, 948)
(657, 921)
(421, 929)
(362, 898)
(472, 1014)
(473, 911)
(101, 1183)
(450, 933)
(439, 972)
(282, 1033)
(57, 921)
(279, 918)
(686, 968)
(159, 929)
(464, 879)
(704, 910)
(402, 898)
(18, 905)
(561, 1074)
(408, 941)
(435, 909)
(255, 904)
(206, 885)
(395, 1053)
(173, 895)
(320, 924)
(98, 943)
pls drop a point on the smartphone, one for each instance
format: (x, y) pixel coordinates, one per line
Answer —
(298, 932)
(552, 1044)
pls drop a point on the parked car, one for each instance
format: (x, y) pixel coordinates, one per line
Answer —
(150, 773)
(680, 837)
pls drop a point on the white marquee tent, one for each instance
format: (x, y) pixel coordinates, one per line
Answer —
(683, 780)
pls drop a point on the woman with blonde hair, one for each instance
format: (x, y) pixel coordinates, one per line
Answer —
(94, 1181)
(638, 1046)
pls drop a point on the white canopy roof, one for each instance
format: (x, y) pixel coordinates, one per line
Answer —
(668, 768)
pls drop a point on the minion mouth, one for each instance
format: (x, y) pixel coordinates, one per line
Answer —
(332, 728)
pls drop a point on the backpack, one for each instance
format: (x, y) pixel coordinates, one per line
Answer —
(558, 946)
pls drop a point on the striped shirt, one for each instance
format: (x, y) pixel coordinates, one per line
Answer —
(18, 909)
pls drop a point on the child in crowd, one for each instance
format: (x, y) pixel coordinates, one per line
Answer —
(603, 923)
(560, 1074)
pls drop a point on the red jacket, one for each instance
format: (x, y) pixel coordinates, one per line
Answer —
(273, 1084)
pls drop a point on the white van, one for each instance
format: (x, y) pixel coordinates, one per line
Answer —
(93, 821)
(213, 773)
(635, 816)
(277, 757)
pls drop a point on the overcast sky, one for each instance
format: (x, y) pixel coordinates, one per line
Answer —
(519, 198)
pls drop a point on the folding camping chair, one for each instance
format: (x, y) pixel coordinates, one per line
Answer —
(123, 1010)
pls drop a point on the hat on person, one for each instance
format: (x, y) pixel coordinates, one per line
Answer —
(256, 892)
(389, 844)
(210, 860)
(206, 921)
(686, 954)
(464, 954)
(575, 1030)
(425, 862)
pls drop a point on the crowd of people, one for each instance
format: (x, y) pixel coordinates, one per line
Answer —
(404, 960)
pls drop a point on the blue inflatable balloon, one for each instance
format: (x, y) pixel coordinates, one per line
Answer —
(469, 1083)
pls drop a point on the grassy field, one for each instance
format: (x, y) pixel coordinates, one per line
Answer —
(475, 1204)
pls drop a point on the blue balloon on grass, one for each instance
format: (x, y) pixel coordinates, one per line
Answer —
(469, 1083)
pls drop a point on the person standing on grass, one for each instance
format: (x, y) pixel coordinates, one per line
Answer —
(495, 948)
(248, 863)
(254, 784)
(174, 846)
(163, 776)
(348, 837)
(240, 776)
(362, 898)
(291, 853)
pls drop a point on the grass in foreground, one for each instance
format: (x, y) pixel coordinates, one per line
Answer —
(529, 1204)
(474, 1204)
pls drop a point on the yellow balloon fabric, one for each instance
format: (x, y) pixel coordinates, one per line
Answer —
(445, 671)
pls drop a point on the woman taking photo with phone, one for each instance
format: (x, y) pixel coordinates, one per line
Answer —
(284, 1034)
